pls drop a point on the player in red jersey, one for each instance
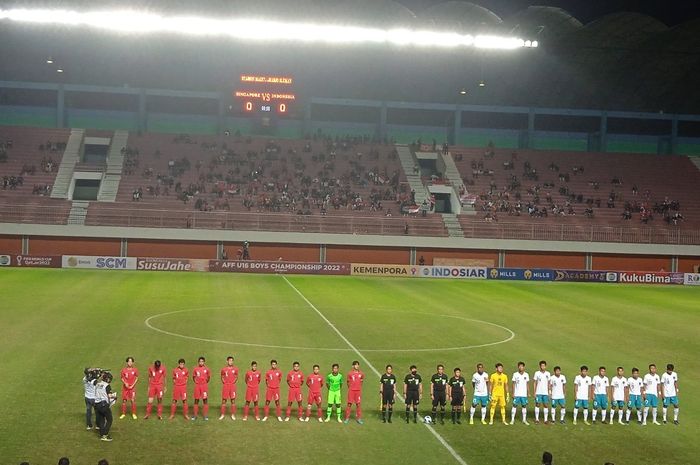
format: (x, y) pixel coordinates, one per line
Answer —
(252, 390)
(295, 379)
(201, 374)
(355, 378)
(229, 377)
(315, 383)
(180, 389)
(156, 388)
(129, 377)
(273, 378)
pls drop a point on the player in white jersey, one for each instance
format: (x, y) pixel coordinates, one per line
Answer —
(651, 394)
(669, 385)
(619, 395)
(601, 394)
(521, 391)
(582, 387)
(557, 384)
(635, 385)
(540, 384)
(480, 383)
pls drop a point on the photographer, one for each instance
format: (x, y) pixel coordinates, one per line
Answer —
(104, 399)
(89, 396)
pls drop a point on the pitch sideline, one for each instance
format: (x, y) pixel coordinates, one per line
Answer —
(437, 435)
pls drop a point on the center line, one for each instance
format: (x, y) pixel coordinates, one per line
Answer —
(437, 435)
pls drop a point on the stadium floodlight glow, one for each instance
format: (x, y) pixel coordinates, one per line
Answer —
(135, 22)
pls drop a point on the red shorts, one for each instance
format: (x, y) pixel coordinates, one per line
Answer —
(272, 394)
(228, 391)
(128, 394)
(201, 391)
(354, 397)
(251, 395)
(294, 395)
(314, 398)
(180, 392)
(155, 392)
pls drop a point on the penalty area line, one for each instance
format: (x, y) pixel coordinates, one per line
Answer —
(437, 435)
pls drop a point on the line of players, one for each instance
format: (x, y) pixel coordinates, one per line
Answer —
(201, 375)
(627, 394)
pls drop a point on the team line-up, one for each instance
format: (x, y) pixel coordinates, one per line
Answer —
(619, 393)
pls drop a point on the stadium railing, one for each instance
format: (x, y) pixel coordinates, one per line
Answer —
(582, 233)
(431, 226)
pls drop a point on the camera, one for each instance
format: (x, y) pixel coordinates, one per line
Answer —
(94, 373)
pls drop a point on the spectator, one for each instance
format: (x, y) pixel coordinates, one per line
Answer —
(421, 261)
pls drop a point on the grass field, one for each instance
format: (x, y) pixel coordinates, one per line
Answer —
(56, 322)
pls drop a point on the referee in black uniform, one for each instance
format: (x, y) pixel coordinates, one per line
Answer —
(438, 393)
(103, 404)
(412, 391)
(457, 393)
(387, 389)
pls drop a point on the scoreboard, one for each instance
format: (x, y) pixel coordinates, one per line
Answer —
(265, 95)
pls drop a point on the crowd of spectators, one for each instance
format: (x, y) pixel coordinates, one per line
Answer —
(327, 173)
(526, 195)
(48, 165)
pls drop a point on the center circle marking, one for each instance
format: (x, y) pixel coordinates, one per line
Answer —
(149, 323)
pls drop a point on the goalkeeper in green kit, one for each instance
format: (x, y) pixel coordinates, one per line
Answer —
(334, 381)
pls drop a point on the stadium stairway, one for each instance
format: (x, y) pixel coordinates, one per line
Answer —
(451, 222)
(409, 164)
(453, 176)
(696, 161)
(78, 212)
(115, 161)
(71, 156)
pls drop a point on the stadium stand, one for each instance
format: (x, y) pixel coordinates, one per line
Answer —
(577, 189)
(29, 159)
(342, 185)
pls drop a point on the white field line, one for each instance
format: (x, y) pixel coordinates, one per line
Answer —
(149, 323)
(437, 435)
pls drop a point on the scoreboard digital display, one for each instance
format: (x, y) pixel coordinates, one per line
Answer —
(265, 95)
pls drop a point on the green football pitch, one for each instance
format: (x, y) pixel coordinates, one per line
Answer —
(56, 322)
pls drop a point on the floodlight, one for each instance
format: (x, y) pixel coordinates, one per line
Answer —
(135, 22)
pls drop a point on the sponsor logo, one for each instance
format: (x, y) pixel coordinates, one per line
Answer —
(611, 277)
(521, 274)
(581, 275)
(635, 277)
(691, 279)
(100, 263)
(38, 261)
(5, 260)
(363, 269)
(455, 272)
(163, 264)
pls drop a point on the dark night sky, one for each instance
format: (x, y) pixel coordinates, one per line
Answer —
(671, 12)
